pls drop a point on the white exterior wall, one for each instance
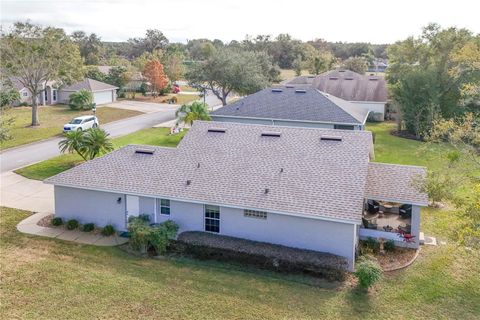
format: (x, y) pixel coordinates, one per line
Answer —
(372, 106)
(100, 208)
(284, 123)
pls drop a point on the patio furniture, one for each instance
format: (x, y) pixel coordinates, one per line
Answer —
(387, 228)
(407, 237)
(387, 207)
(373, 206)
(405, 229)
(369, 224)
(405, 211)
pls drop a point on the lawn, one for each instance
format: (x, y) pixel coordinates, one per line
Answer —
(181, 98)
(286, 74)
(46, 278)
(52, 119)
(53, 166)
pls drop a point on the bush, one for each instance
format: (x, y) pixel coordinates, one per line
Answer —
(72, 224)
(389, 245)
(81, 100)
(372, 244)
(368, 272)
(143, 235)
(57, 221)
(108, 230)
(88, 227)
(260, 254)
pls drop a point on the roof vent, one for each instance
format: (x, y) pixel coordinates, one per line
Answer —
(270, 134)
(189, 182)
(348, 78)
(326, 95)
(311, 77)
(277, 90)
(144, 151)
(331, 138)
(289, 86)
(300, 91)
(267, 190)
(342, 70)
(373, 79)
(218, 130)
(333, 78)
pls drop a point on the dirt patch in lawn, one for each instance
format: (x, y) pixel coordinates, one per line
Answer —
(396, 259)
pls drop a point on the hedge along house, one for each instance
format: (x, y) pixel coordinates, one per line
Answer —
(295, 107)
(366, 92)
(298, 187)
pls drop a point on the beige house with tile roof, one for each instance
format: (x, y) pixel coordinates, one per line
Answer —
(307, 188)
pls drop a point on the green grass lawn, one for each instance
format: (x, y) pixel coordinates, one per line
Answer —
(52, 119)
(53, 166)
(46, 278)
(288, 74)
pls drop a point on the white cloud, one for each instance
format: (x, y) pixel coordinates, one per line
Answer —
(349, 20)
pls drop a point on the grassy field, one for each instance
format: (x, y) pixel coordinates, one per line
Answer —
(45, 278)
(288, 73)
(181, 98)
(52, 119)
(53, 166)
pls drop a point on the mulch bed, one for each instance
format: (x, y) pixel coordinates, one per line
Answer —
(46, 221)
(396, 259)
(405, 134)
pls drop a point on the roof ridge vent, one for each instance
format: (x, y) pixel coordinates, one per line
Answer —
(289, 86)
(331, 138)
(373, 79)
(333, 78)
(348, 78)
(217, 129)
(300, 91)
(271, 134)
(277, 90)
(144, 150)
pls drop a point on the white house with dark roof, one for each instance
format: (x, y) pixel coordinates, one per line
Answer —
(295, 107)
(308, 188)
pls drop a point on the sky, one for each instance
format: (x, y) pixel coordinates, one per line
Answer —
(371, 21)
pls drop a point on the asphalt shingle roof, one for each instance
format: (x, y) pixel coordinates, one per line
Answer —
(304, 175)
(392, 182)
(289, 104)
(91, 85)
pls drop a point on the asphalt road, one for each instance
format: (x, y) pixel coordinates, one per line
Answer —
(22, 156)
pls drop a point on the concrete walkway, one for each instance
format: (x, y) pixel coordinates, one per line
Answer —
(30, 226)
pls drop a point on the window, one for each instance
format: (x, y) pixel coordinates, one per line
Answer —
(25, 94)
(163, 206)
(255, 214)
(343, 127)
(45, 95)
(54, 92)
(212, 218)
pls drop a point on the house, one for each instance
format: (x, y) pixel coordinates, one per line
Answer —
(368, 92)
(293, 106)
(308, 188)
(102, 92)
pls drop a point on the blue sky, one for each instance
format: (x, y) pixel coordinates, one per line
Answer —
(348, 20)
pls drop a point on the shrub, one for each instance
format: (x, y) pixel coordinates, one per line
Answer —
(260, 254)
(81, 100)
(142, 235)
(88, 227)
(108, 230)
(57, 221)
(72, 224)
(368, 272)
(372, 244)
(389, 245)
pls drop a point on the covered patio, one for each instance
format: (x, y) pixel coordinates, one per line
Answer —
(392, 204)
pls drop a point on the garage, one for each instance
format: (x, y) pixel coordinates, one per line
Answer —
(103, 97)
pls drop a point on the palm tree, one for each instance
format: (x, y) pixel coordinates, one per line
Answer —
(81, 100)
(97, 142)
(191, 112)
(74, 142)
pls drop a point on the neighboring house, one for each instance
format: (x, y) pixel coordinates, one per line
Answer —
(299, 187)
(135, 82)
(293, 106)
(378, 66)
(365, 91)
(102, 92)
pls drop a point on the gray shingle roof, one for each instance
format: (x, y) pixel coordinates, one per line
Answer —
(89, 84)
(288, 104)
(347, 85)
(320, 178)
(392, 182)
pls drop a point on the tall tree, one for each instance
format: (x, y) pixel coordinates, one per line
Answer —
(37, 55)
(91, 47)
(355, 64)
(188, 113)
(320, 61)
(154, 40)
(229, 70)
(173, 62)
(155, 75)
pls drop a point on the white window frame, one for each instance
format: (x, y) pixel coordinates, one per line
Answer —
(255, 214)
(205, 218)
(159, 206)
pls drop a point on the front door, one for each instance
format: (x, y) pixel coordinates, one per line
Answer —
(133, 206)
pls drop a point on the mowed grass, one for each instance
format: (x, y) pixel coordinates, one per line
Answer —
(53, 166)
(52, 119)
(286, 74)
(53, 279)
